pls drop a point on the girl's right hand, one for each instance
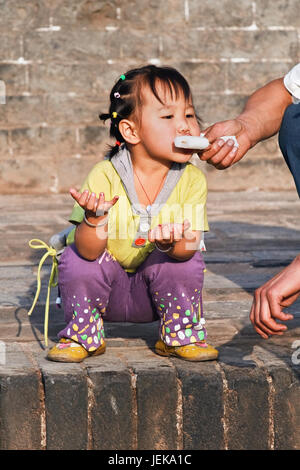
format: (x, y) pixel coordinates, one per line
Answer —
(168, 234)
(95, 208)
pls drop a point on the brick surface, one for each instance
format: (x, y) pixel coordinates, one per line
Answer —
(10, 45)
(212, 108)
(83, 14)
(3, 142)
(14, 77)
(286, 407)
(261, 173)
(228, 13)
(112, 412)
(154, 15)
(207, 45)
(23, 15)
(246, 387)
(213, 77)
(69, 168)
(130, 46)
(282, 13)
(26, 140)
(94, 140)
(248, 77)
(28, 173)
(77, 110)
(44, 78)
(157, 407)
(66, 405)
(59, 61)
(202, 406)
(22, 111)
(20, 405)
(71, 46)
(20, 428)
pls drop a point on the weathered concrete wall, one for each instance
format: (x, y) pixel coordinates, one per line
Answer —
(60, 58)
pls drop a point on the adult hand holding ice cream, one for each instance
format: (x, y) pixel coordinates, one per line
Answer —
(271, 109)
(260, 119)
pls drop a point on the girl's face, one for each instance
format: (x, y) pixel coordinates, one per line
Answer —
(161, 123)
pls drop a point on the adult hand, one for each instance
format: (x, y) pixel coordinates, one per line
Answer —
(279, 292)
(223, 154)
(260, 119)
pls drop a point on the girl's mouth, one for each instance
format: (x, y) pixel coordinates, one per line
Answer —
(182, 151)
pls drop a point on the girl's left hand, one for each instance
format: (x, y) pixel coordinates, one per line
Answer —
(168, 234)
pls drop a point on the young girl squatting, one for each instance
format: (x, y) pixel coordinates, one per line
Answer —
(140, 215)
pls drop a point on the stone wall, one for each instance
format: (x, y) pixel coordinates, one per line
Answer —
(60, 58)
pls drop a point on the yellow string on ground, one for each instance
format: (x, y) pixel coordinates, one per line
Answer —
(37, 244)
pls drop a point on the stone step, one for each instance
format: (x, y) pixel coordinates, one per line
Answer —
(130, 398)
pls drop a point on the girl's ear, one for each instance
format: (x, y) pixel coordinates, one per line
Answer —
(129, 131)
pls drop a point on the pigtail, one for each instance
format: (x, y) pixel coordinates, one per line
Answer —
(118, 110)
(114, 131)
(104, 116)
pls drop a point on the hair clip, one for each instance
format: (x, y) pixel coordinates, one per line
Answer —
(117, 94)
(122, 77)
(118, 143)
(114, 114)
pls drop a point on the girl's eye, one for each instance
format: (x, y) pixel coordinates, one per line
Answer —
(168, 117)
(190, 116)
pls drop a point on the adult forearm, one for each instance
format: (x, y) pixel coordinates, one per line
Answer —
(264, 110)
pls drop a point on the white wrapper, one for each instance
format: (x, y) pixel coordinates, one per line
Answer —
(232, 137)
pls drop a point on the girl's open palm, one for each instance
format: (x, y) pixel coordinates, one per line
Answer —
(93, 206)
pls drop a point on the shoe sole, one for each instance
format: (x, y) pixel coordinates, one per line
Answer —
(61, 358)
(64, 359)
(211, 357)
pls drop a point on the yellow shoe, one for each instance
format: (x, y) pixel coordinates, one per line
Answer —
(67, 350)
(200, 351)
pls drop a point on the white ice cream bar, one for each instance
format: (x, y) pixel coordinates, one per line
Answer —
(199, 143)
(191, 142)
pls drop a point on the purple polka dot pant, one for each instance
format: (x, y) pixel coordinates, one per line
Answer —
(161, 289)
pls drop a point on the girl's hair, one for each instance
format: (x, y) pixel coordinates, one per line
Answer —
(126, 95)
